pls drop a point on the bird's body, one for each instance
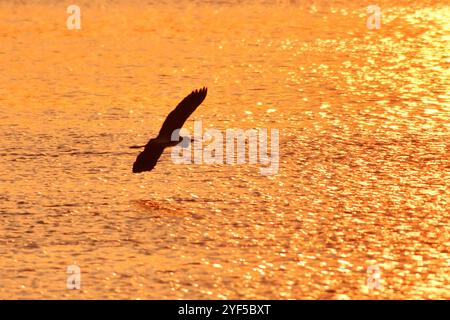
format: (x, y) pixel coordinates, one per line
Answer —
(147, 159)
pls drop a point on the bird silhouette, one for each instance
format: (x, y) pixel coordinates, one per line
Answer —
(147, 159)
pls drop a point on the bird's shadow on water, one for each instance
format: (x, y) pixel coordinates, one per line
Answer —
(163, 206)
(154, 205)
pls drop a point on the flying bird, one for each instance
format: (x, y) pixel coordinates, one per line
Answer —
(147, 159)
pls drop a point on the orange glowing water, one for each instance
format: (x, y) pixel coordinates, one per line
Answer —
(364, 144)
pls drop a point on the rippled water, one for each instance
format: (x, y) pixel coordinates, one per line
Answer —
(364, 143)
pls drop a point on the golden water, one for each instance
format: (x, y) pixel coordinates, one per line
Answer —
(364, 150)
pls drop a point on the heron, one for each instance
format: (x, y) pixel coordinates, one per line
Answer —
(147, 159)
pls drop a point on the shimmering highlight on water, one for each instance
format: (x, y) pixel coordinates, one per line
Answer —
(364, 127)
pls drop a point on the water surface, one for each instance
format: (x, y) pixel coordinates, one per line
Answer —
(364, 170)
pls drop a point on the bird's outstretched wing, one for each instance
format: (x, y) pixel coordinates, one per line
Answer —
(181, 113)
(147, 159)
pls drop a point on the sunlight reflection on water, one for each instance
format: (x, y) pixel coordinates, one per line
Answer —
(364, 128)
